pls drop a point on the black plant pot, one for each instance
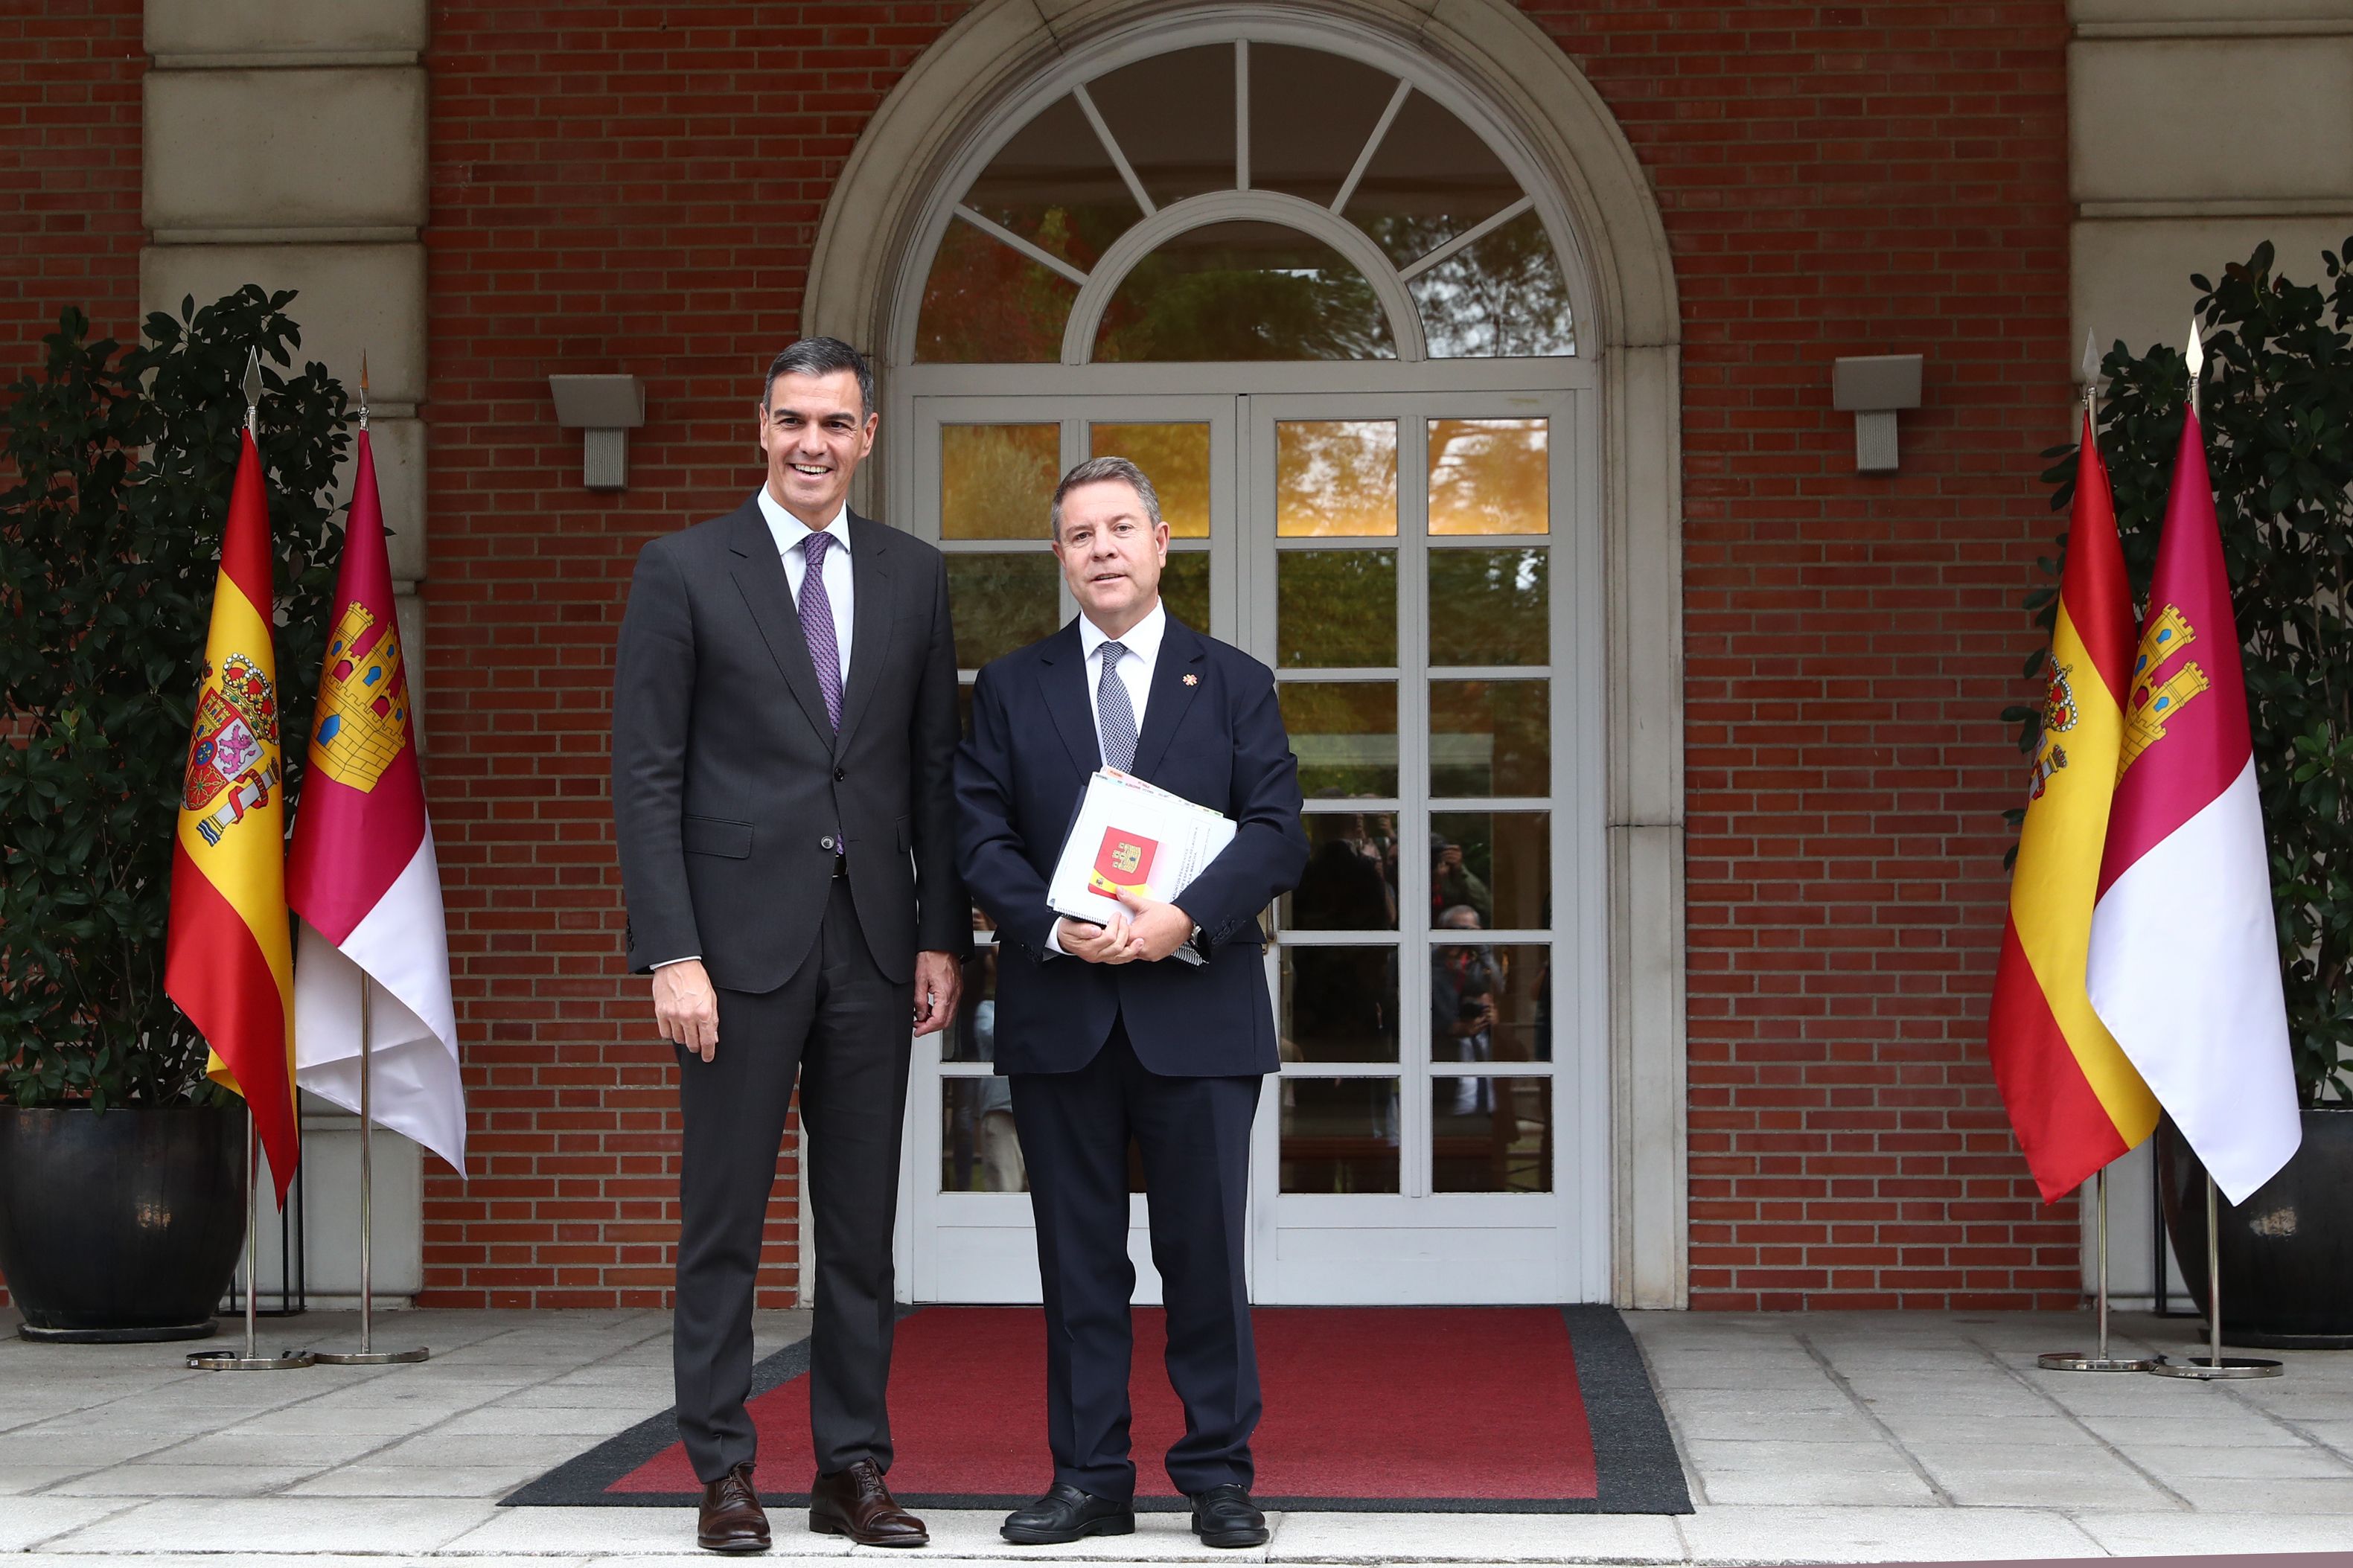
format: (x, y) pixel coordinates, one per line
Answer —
(2286, 1252)
(123, 1224)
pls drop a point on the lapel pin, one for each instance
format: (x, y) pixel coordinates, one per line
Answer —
(1192, 680)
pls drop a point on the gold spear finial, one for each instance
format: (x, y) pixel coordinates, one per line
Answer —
(362, 389)
(252, 390)
(2091, 370)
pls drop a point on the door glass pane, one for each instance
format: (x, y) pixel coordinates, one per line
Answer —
(1055, 186)
(1489, 476)
(1000, 602)
(1336, 478)
(986, 303)
(973, 1036)
(1339, 1005)
(1489, 737)
(996, 481)
(1176, 458)
(1336, 609)
(1345, 734)
(1311, 113)
(1501, 296)
(1339, 1134)
(1489, 606)
(1350, 882)
(1243, 290)
(1490, 1001)
(978, 1150)
(1185, 587)
(1173, 117)
(1495, 865)
(1490, 1134)
(1432, 179)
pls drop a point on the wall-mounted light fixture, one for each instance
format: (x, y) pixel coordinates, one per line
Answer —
(1873, 388)
(604, 409)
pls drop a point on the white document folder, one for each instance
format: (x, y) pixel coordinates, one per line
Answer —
(1133, 836)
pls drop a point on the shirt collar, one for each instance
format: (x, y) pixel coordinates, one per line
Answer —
(790, 531)
(1142, 640)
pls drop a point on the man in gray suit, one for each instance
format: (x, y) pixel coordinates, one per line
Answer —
(784, 737)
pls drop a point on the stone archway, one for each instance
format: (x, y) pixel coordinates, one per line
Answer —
(999, 45)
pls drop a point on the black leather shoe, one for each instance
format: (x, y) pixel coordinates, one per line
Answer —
(1225, 1516)
(1066, 1513)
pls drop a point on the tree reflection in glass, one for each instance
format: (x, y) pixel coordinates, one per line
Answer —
(1243, 291)
(1502, 296)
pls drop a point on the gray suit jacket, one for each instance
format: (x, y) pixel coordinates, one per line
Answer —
(729, 786)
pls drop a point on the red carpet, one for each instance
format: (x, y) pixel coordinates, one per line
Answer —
(1478, 1408)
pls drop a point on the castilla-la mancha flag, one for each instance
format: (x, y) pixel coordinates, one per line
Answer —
(225, 959)
(362, 875)
(2073, 1097)
(2184, 964)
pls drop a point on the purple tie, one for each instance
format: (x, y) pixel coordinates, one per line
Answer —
(817, 625)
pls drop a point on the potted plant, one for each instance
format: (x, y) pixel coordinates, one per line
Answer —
(121, 1168)
(2277, 406)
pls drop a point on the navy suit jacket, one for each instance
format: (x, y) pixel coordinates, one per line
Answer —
(1213, 733)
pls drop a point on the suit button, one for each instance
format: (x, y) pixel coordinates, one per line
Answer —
(825, 843)
(841, 776)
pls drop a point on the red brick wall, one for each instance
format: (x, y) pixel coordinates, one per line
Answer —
(615, 188)
(1867, 178)
(636, 188)
(69, 135)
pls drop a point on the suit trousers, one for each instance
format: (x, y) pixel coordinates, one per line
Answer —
(1194, 1136)
(844, 1028)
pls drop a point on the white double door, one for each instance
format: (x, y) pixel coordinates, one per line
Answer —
(1416, 569)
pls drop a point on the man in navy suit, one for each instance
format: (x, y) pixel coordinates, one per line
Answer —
(1104, 1036)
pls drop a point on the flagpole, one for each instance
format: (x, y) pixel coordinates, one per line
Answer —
(2213, 1366)
(367, 1355)
(251, 1359)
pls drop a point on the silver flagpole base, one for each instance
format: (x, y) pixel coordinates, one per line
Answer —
(2076, 1361)
(369, 1358)
(231, 1360)
(2205, 1369)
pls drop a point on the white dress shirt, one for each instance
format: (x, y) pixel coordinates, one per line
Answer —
(790, 531)
(1142, 643)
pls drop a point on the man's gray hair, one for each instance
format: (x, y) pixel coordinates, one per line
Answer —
(821, 356)
(1097, 471)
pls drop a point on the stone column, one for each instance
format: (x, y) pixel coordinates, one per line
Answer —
(286, 146)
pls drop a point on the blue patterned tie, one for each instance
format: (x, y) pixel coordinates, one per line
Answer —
(817, 625)
(1115, 716)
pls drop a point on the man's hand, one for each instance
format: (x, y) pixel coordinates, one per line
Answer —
(686, 1009)
(1095, 943)
(1155, 930)
(939, 982)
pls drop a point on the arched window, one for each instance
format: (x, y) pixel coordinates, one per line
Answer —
(1244, 201)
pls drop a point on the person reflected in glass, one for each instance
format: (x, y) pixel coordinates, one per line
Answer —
(1464, 982)
(1451, 882)
(1344, 887)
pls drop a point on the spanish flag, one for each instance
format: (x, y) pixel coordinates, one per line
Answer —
(229, 959)
(2073, 1097)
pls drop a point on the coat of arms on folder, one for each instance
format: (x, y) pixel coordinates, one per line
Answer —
(1124, 865)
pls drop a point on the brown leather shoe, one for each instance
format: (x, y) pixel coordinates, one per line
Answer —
(854, 1502)
(731, 1519)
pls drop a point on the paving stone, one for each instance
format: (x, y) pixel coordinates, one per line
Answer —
(1487, 1538)
(157, 1480)
(2209, 1461)
(625, 1531)
(2176, 1533)
(242, 1525)
(368, 1480)
(1776, 1535)
(1774, 1487)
